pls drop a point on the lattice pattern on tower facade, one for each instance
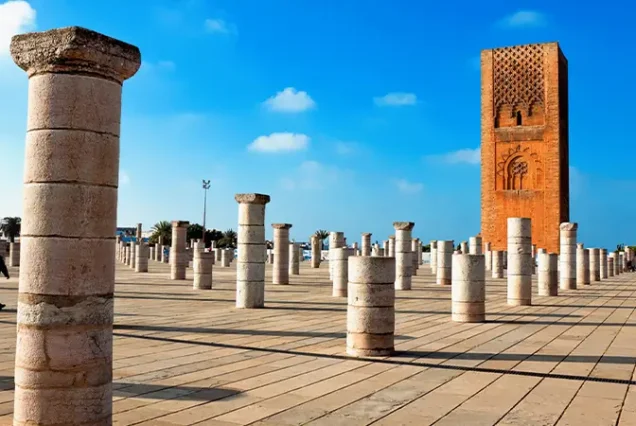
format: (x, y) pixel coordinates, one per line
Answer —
(518, 76)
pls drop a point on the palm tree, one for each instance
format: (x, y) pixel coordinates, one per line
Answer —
(229, 239)
(162, 229)
(195, 232)
(322, 235)
(10, 227)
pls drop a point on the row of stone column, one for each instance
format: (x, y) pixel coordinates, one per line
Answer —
(10, 251)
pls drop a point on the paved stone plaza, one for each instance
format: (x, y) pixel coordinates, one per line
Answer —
(184, 356)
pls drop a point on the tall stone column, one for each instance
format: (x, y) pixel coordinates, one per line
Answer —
(63, 359)
(497, 263)
(582, 265)
(371, 307)
(294, 260)
(415, 248)
(336, 240)
(391, 245)
(488, 256)
(621, 261)
(340, 271)
(178, 255)
(610, 266)
(475, 246)
(133, 255)
(202, 266)
(365, 249)
(445, 262)
(141, 253)
(138, 233)
(420, 250)
(14, 254)
(548, 274)
(595, 264)
(250, 268)
(403, 255)
(519, 261)
(613, 271)
(433, 261)
(603, 263)
(567, 259)
(316, 251)
(468, 290)
(280, 271)
(127, 255)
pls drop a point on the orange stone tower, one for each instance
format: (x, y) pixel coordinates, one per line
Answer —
(524, 142)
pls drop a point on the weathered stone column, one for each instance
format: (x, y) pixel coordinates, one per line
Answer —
(613, 271)
(475, 246)
(178, 255)
(433, 262)
(488, 256)
(567, 258)
(340, 271)
(603, 263)
(227, 255)
(250, 268)
(403, 259)
(280, 271)
(365, 249)
(270, 256)
(420, 250)
(582, 265)
(610, 266)
(217, 255)
(127, 255)
(294, 260)
(445, 262)
(138, 233)
(468, 290)
(336, 240)
(519, 262)
(316, 251)
(63, 362)
(497, 263)
(415, 246)
(371, 308)
(385, 247)
(595, 264)
(392, 246)
(151, 254)
(14, 254)
(548, 274)
(463, 247)
(621, 261)
(133, 254)
(141, 252)
(202, 266)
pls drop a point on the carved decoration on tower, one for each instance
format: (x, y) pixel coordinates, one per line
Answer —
(519, 169)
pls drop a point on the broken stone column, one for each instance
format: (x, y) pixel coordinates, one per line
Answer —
(133, 254)
(371, 308)
(294, 260)
(316, 251)
(474, 246)
(280, 271)
(582, 265)
(63, 361)
(127, 255)
(519, 261)
(403, 259)
(151, 254)
(497, 263)
(613, 271)
(336, 240)
(178, 256)
(202, 266)
(468, 290)
(141, 253)
(226, 257)
(340, 271)
(488, 256)
(610, 266)
(218, 253)
(385, 247)
(463, 247)
(250, 268)
(433, 261)
(138, 233)
(603, 263)
(366, 244)
(621, 261)
(391, 245)
(595, 264)
(14, 254)
(415, 246)
(444, 262)
(567, 259)
(548, 275)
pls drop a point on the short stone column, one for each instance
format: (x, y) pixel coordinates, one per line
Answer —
(127, 255)
(468, 290)
(316, 251)
(151, 254)
(444, 262)
(133, 254)
(294, 260)
(365, 247)
(392, 246)
(250, 268)
(567, 258)
(385, 247)
(463, 247)
(582, 265)
(548, 275)
(475, 246)
(227, 255)
(141, 252)
(420, 250)
(415, 247)
(621, 261)
(138, 233)
(371, 308)
(202, 266)
(433, 261)
(63, 358)
(178, 255)
(610, 266)
(613, 271)
(280, 271)
(519, 261)
(497, 263)
(336, 240)
(403, 259)
(603, 263)
(488, 256)
(595, 264)
(217, 255)
(14, 254)
(340, 271)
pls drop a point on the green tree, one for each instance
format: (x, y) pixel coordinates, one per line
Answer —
(426, 248)
(11, 226)
(162, 229)
(322, 235)
(194, 232)
(229, 239)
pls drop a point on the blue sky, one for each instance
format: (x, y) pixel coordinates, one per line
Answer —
(350, 114)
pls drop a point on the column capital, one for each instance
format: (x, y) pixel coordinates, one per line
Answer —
(366, 234)
(75, 50)
(403, 226)
(281, 225)
(568, 226)
(180, 223)
(252, 198)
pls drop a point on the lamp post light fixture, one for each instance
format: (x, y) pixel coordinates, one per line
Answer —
(206, 186)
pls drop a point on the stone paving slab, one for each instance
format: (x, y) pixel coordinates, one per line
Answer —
(184, 356)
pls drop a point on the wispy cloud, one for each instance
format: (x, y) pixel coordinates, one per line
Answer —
(16, 16)
(396, 99)
(290, 100)
(280, 142)
(313, 175)
(462, 156)
(219, 26)
(524, 19)
(406, 187)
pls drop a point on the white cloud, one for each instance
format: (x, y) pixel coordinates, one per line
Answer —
(15, 17)
(280, 142)
(406, 187)
(312, 175)
(124, 178)
(524, 19)
(219, 26)
(396, 99)
(462, 156)
(290, 100)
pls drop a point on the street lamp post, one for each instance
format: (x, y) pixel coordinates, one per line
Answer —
(206, 186)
